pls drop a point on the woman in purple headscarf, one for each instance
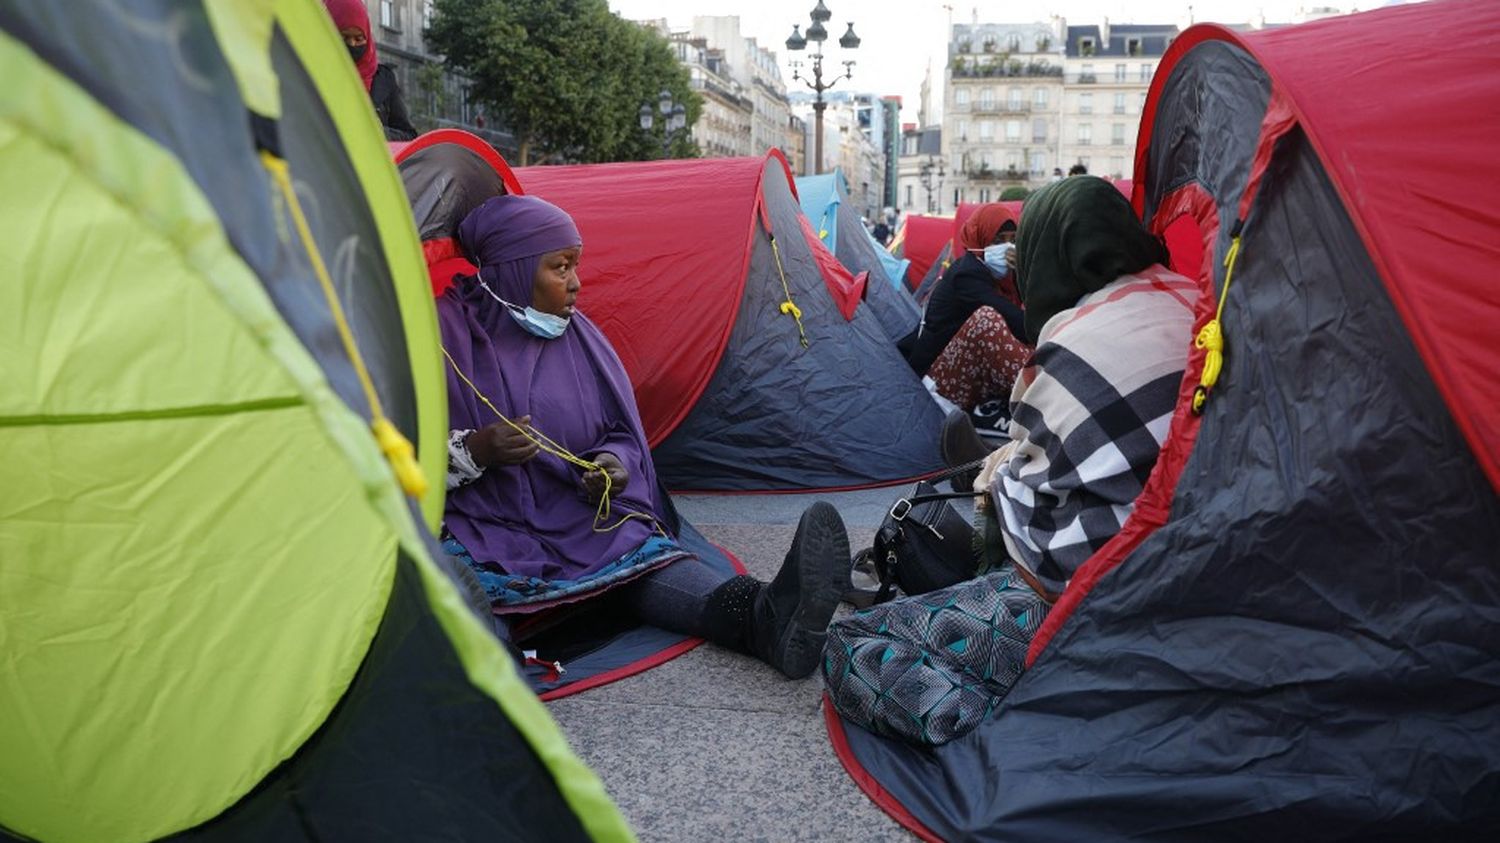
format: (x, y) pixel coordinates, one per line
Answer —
(534, 388)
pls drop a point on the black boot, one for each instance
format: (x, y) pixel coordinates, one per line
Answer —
(785, 622)
(961, 445)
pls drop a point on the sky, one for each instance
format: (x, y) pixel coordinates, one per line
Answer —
(900, 37)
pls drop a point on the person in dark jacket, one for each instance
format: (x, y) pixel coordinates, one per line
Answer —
(353, 23)
(968, 345)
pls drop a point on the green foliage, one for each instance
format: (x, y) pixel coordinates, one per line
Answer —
(1014, 194)
(432, 94)
(568, 77)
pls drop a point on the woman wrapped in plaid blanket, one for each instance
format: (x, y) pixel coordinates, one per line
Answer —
(1089, 412)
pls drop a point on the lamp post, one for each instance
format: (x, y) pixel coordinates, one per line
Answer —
(673, 120)
(817, 34)
(926, 173)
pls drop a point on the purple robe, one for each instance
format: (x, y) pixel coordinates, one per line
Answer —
(534, 519)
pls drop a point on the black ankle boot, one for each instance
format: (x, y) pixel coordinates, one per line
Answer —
(789, 619)
(961, 445)
(785, 622)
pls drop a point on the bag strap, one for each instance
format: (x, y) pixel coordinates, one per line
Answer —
(950, 473)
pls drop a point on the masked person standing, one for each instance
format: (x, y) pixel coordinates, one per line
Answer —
(353, 23)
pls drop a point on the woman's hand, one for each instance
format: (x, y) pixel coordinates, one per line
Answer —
(593, 481)
(501, 444)
(1010, 260)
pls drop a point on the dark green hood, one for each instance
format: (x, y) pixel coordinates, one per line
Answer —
(1076, 236)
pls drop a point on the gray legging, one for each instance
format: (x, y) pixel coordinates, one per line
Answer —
(930, 667)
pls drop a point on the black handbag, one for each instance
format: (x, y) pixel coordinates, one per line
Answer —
(922, 545)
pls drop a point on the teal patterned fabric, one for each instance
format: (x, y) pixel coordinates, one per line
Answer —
(930, 667)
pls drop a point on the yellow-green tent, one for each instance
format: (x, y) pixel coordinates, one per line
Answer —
(219, 614)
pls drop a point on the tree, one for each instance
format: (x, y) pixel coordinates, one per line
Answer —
(1014, 194)
(567, 77)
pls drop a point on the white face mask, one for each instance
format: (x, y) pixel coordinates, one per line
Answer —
(994, 257)
(533, 321)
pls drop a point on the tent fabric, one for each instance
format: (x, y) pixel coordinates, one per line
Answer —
(446, 174)
(822, 199)
(689, 288)
(199, 591)
(846, 288)
(922, 240)
(843, 233)
(1291, 636)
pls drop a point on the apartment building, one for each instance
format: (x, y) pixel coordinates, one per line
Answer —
(1002, 107)
(1108, 72)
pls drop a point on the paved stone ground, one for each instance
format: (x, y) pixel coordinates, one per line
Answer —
(714, 746)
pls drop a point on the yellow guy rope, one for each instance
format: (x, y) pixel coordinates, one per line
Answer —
(788, 306)
(397, 449)
(546, 444)
(1211, 337)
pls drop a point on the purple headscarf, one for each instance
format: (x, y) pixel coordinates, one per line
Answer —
(533, 519)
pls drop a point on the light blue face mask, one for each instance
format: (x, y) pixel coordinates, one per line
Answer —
(535, 322)
(994, 257)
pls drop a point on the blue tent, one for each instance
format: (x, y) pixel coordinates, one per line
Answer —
(822, 199)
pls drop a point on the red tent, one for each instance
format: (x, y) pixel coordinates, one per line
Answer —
(1293, 635)
(448, 173)
(706, 277)
(923, 239)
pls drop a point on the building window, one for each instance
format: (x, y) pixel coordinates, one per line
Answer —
(958, 197)
(1012, 163)
(1085, 103)
(1085, 46)
(1120, 103)
(961, 97)
(1117, 165)
(963, 130)
(1014, 99)
(1086, 74)
(986, 130)
(986, 161)
(1146, 69)
(1132, 46)
(427, 13)
(1117, 134)
(1120, 72)
(388, 15)
(990, 43)
(1039, 130)
(1038, 163)
(1039, 98)
(1085, 134)
(1013, 131)
(908, 196)
(1014, 43)
(984, 194)
(986, 98)
(964, 46)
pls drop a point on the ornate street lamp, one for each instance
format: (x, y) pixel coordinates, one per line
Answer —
(926, 173)
(673, 117)
(817, 34)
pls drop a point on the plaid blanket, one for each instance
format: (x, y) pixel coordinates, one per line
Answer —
(1088, 416)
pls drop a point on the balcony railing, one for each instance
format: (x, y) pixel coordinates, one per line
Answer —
(1009, 107)
(991, 174)
(1083, 78)
(978, 68)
